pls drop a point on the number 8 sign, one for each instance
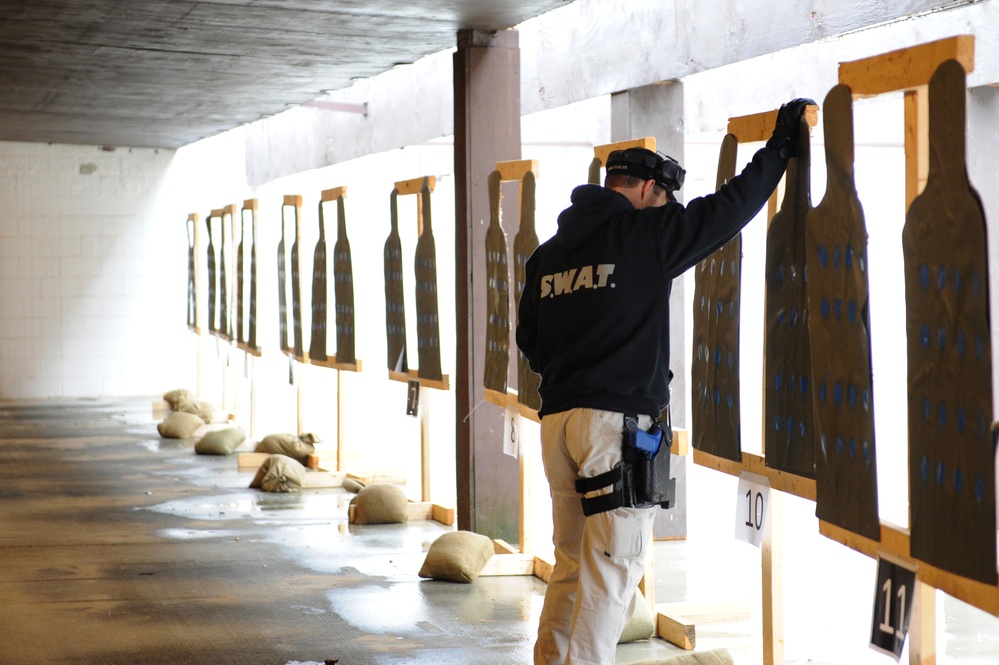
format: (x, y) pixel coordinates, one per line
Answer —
(751, 508)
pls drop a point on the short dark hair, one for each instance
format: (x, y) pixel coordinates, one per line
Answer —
(622, 181)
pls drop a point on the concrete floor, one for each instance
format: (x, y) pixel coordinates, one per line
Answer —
(117, 546)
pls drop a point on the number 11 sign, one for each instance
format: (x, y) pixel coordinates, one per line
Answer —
(892, 607)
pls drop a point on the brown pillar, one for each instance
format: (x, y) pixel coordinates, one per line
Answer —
(486, 130)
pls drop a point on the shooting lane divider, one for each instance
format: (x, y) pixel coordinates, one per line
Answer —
(911, 70)
(290, 294)
(194, 283)
(751, 128)
(344, 309)
(246, 281)
(219, 297)
(497, 362)
(246, 300)
(908, 70)
(429, 374)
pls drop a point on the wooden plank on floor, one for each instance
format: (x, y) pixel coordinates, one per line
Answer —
(323, 479)
(508, 564)
(250, 460)
(678, 622)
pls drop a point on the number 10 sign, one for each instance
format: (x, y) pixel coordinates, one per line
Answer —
(751, 508)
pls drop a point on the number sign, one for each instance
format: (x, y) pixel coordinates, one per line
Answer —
(892, 607)
(751, 508)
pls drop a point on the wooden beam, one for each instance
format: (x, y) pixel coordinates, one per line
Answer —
(229, 210)
(443, 515)
(372, 477)
(243, 346)
(895, 542)
(415, 185)
(677, 629)
(294, 200)
(602, 151)
(516, 169)
(330, 362)
(916, 135)
(779, 480)
(250, 204)
(759, 126)
(250, 460)
(677, 622)
(322, 479)
(906, 68)
(334, 194)
(413, 375)
(508, 564)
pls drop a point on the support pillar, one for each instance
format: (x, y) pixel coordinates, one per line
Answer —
(486, 130)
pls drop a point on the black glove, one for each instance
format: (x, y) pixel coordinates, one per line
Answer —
(785, 137)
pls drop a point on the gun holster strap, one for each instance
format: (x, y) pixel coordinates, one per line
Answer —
(603, 502)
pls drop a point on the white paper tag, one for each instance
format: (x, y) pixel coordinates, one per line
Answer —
(511, 433)
(751, 503)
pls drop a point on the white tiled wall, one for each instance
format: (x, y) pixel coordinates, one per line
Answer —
(89, 271)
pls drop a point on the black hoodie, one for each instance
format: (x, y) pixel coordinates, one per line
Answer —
(594, 314)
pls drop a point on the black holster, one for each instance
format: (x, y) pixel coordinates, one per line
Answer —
(641, 479)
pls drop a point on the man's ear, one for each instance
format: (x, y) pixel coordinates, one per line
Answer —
(647, 188)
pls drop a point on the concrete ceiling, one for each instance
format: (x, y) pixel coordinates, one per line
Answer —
(165, 73)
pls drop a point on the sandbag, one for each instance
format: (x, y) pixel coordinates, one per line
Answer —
(457, 556)
(380, 504)
(175, 397)
(641, 625)
(290, 445)
(203, 410)
(179, 425)
(220, 441)
(279, 473)
(353, 485)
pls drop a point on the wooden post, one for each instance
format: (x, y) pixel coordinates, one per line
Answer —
(773, 583)
(340, 458)
(922, 622)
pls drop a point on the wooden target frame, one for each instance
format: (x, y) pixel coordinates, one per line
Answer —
(193, 232)
(525, 173)
(290, 280)
(246, 280)
(344, 358)
(427, 376)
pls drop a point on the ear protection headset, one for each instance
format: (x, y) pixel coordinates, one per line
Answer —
(647, 165)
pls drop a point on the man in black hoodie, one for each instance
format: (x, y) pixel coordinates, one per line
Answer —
(594, 322)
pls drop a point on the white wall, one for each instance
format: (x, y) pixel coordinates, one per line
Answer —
(87, 276)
